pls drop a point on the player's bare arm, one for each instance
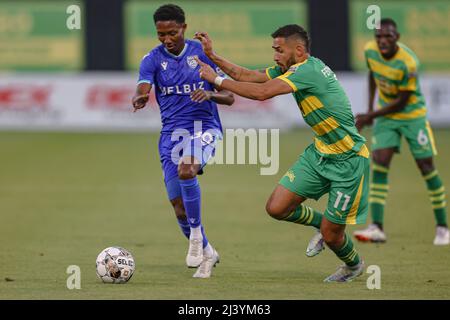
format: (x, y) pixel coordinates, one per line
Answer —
(236, 72)
(224, 97)
(395, 106)
(361, 122)
(141, 96)
(254, 91)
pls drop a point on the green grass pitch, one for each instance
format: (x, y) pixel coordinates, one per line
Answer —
(66, 196)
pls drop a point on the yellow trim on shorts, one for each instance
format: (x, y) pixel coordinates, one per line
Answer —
(430, 134)
(351, 218)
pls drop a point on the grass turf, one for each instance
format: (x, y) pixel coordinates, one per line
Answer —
(66, 196)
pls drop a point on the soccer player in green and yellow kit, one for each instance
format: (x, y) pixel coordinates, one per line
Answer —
(336, 163)
(401, 112)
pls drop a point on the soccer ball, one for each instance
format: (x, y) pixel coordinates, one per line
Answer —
(115, 265)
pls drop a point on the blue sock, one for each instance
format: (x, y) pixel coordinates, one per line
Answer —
(186, 229)
(190, 189)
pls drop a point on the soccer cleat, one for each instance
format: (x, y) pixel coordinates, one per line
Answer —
(345, 273)
(371, 234)
(315, 245)
(195, 253)
(205, 268)
(442, 236)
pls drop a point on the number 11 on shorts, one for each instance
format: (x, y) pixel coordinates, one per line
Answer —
(338, 200)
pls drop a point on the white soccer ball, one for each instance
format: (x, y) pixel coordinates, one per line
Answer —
(115, 265)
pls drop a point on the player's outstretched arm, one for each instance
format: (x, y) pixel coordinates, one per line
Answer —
(141, 96)
(236, 72)
(254, 91)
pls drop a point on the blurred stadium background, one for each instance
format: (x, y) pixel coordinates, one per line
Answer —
(68, 189)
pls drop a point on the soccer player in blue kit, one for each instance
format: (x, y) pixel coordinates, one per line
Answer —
(185, 101)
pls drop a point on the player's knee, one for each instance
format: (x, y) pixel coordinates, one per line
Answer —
(186, 171)
(274, 210)
(425, 165)
(381, 159)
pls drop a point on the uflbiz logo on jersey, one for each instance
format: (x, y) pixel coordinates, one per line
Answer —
(192, 62)
(164, 65)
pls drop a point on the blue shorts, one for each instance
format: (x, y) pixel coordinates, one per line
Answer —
(201, 145)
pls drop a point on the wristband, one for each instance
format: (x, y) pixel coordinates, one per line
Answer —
(218, 81)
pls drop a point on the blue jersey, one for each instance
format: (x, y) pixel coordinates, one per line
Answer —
(174, 79)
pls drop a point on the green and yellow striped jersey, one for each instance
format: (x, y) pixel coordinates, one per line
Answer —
(324, 106)
(400, 73)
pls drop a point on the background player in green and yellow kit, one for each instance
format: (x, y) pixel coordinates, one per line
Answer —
(401, 112)
(336, 163)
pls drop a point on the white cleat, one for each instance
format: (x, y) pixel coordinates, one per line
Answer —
(371, 234)
(195, 253)
(346, 273)
(205, 268)
(315, 245)
(442, 236)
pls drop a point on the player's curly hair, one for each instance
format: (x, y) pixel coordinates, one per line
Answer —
(388, 21)
(169, 12)
(293, 30)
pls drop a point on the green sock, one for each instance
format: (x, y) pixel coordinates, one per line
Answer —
(306, 216)
(347, 252)
(436, 192)
(378, 192)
